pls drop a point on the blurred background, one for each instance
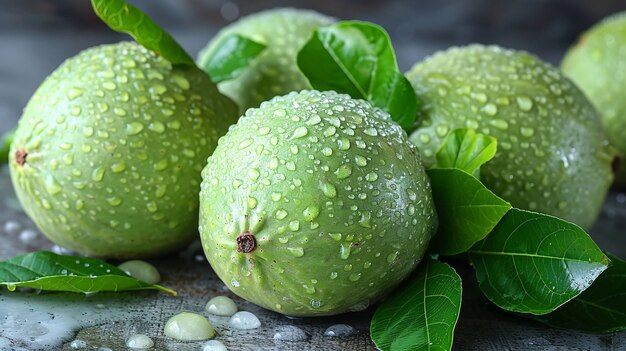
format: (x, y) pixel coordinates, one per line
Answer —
(37, 35)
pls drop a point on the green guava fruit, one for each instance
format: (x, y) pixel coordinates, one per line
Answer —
(553, 156)
(315, 204)
(275, 71)
(597, 65)
(107, 155)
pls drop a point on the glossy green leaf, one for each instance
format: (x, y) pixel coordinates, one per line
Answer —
(48, 271)
(599, 309)
(5, 145)
(422, 313)
(231, 57)
(467, 210)
(534, 263)
(467, 150)
(357, 58)
(123, 17)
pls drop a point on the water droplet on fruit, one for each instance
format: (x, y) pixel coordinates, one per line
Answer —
(527, 132)
(354, 277)
(330, 131)
(328, 189)
(392, 257)
(161, 165)
(499, 123)
(281, 214)
(98, 174)
(345, 250)
(296, 251)
(311, 213)
(114, 201)
(157, 127)
(294, 226)
(74, 93)
(181, 81)
(254, 174)
(134, 128)
(109, 86)
(490, 109)
(152, 207)
(441, 130)
(264, 131)
(371, 177)
(360, 161)
(300, 132)
(344, 171)
(244, 320)
(309, 289)
(524, 103)
(52, 186)
(252, 202)
(118, 167)
(344, 144)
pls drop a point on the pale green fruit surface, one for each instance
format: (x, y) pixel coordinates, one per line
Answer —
(116, 139)
(553, 156)
(274, 72)
(315, 204)
(597, 64)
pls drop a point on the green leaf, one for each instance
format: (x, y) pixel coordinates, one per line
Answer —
(48, 271)
(357, 58)
(467, 150)
(534, 263)
(467, 210)
(599, 309)
(231, 57)
(123, 17)
(5, 145)
(422, 313)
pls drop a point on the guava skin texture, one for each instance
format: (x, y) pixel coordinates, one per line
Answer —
(315, 204)
(596, 65)
(553, 156)
(107, 155)
(274, 72)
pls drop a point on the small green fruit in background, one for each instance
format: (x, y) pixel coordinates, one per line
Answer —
(107, 156)
(553, 156)
(315, 204)
(597, 64)
(275, 72)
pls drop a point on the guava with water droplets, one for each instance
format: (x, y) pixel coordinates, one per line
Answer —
(315, 204)
(283, 31)
(553, 156)
(107, 155)
(597, 64)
